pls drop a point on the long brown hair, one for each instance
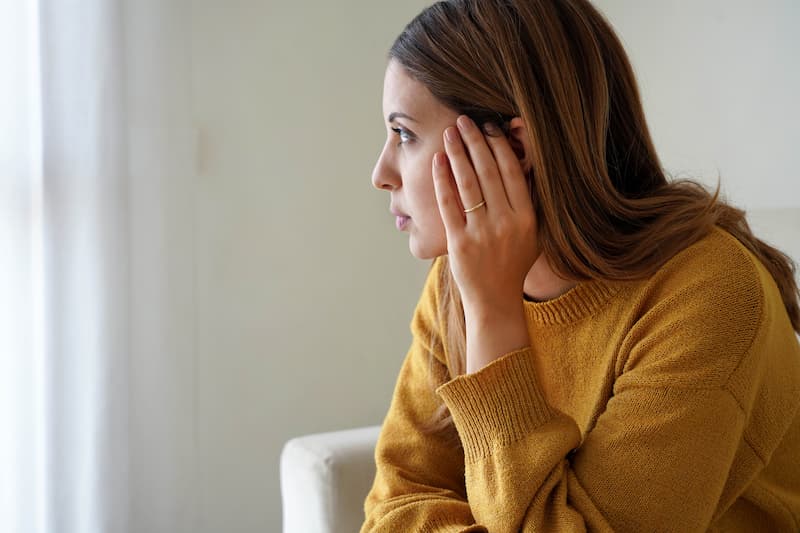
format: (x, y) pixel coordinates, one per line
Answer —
(604, 205)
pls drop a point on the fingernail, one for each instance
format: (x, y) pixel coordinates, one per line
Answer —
(490, 128)
(438, 159)
(462, 122)
(450, 134)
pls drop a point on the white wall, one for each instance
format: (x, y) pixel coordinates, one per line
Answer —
(304, 288)
(719, 80)
(294, 291)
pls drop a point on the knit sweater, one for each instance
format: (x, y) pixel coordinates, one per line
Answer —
(668, 404)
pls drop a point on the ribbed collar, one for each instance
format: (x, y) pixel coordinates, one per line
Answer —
(575, 304)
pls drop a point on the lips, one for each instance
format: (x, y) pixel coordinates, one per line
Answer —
(401, 219)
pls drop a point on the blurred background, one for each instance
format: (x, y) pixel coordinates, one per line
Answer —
(195, 265)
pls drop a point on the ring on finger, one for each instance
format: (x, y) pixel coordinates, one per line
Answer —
(478, 206)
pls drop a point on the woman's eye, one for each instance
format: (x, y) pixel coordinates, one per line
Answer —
(403, 134)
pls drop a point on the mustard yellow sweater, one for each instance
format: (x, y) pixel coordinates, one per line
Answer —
(669, 404)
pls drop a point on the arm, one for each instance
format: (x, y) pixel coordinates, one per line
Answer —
(419, 481)
(657, 458)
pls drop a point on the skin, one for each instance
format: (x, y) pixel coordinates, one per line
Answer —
(433, 164)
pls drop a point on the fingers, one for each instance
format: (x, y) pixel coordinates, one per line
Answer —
(511, 173)
(446, 194)
(483, 167)
(469, 188)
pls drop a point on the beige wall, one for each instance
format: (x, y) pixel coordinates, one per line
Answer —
(304, 288)
(719, 80)
(298, 290)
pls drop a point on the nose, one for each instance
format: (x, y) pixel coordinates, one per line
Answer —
(384, 175)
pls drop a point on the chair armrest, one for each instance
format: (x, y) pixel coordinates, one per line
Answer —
(325, 478)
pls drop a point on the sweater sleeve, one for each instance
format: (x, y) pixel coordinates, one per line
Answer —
(419, 480)
(656, 461)
(659, 456)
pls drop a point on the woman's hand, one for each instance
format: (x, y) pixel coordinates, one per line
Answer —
(492, 246)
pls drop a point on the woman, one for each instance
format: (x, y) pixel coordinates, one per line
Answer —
(595, 347)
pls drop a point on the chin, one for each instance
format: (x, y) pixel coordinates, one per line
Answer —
(425, 250)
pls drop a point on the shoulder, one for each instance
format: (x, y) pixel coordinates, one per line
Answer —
(717, 265)
(426, 323)
(431, 290)
(699, 315)
(718, 259)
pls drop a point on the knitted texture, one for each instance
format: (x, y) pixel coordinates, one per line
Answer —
(668, 404)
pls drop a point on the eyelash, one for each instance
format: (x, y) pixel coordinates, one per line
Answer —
(400, 132)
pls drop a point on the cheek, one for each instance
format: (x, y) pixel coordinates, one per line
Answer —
(428, 238)
(422, 193)
(424, 181)
(428, 207)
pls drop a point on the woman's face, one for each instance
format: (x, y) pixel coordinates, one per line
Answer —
(415, 123)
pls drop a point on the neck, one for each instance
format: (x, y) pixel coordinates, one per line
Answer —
(542, 284)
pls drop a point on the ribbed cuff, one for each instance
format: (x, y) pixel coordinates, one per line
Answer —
(436, 525)
(496, 405)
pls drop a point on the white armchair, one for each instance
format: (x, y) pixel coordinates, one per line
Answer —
(325, 477)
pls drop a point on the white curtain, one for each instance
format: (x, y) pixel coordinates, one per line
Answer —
(95, 412)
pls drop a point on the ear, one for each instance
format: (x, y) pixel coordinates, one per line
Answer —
(518, 138)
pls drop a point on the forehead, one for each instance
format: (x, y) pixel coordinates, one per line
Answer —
(404, 94)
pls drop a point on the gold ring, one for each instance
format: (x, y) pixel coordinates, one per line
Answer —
(471, 209)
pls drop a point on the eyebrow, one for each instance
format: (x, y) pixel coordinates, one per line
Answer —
(396, 114)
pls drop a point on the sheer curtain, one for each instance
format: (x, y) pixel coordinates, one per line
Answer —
(91, 154)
